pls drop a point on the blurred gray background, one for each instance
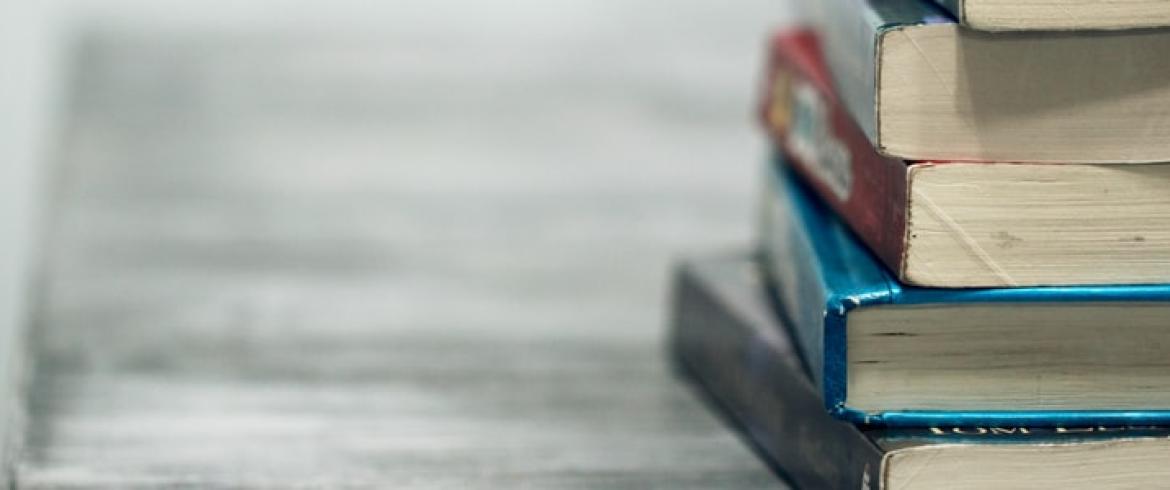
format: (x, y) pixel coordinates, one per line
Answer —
(409, 244)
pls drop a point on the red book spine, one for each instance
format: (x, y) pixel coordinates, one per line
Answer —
(804, 117)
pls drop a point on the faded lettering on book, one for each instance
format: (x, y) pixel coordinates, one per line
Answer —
(811, 140)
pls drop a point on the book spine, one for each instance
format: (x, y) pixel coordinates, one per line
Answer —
(804, 116)
(819, 272)
(725, 336)
(794, 274)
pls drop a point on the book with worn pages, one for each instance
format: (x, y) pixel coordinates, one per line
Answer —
(1010, 15)
(964, 224)
(727, 339)
(885, 353)
(922, 87)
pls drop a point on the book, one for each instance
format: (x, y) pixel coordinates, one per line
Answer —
(1009, 15)
(726, 338)
(924, 88)
(964, 224)
(884, 353)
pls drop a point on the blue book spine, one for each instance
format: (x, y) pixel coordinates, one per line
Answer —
(820, 273)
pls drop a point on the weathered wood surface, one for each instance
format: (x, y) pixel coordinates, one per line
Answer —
(435, 260)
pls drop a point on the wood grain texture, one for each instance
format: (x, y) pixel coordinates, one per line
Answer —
(434, 260)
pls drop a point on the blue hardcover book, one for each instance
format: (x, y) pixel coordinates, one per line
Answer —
(884, 353)
(922, 87)
(727, 339)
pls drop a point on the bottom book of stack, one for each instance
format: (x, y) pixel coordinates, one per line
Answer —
(728, 339)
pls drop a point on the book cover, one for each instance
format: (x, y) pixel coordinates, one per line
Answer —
(922, 87)
(965, 224)
(726, 338)
(823, 276)
(850, 32)
(802, 114)
(724, 335)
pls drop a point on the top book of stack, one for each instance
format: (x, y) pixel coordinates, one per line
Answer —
(1012, 15)
(922, 87)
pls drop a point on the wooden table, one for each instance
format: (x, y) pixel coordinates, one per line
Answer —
(428, 260)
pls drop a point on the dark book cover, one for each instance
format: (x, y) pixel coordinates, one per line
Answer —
(727, 339)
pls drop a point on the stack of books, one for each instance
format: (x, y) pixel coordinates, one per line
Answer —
(962, 278)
